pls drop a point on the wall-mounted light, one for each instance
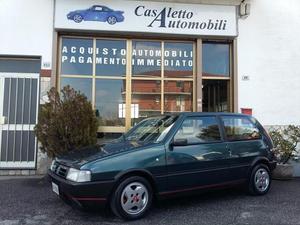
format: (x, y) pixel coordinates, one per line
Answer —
(244, 9)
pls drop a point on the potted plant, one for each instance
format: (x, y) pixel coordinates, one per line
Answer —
(285, 148)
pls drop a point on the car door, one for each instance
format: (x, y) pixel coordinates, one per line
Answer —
(244, 142)
(197, 156)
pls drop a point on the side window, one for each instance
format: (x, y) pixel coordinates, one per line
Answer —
(198, 130)
(104, 9)
(98, 8)
(240, 128)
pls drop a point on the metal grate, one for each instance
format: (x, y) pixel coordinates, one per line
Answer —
(19, 95)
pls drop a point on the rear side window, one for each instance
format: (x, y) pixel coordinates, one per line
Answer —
(199, 130)
(240, 128)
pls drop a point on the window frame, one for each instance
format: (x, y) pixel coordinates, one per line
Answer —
(239, 117)
(231, 76)
(201, 143)
(128, 76)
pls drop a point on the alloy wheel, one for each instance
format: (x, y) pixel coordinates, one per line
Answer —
(262, 179)
(77, 18)
(134, 198)
(111, 20)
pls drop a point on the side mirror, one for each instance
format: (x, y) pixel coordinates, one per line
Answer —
(180, 142)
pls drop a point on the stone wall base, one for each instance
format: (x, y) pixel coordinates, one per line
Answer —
(43, 164)
(17, 172)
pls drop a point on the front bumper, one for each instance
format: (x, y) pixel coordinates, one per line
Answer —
(83, 194)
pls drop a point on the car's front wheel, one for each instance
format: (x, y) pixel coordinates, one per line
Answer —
(111, 20)
(77, 18)
(260, 180)
(132, 198)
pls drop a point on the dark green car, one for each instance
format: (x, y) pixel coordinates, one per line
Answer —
(166, 156)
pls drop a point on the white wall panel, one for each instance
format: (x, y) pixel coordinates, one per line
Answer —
(269, 53)
(27, 28)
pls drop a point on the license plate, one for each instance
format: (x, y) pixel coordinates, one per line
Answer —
(55, 188)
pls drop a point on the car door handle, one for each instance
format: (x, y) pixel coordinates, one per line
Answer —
(229, 151)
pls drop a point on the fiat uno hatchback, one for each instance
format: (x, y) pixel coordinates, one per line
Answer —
(165, 156)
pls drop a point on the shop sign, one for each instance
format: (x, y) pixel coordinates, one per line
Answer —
(116, 56)
(150, 17)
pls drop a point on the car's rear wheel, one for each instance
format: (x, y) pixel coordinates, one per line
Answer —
(132, 198)
(111, 20)
(260, 180)
(77, 18)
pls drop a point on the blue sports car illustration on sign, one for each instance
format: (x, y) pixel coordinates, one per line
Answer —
(97, 13)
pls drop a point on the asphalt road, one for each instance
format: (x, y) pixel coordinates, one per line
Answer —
(31, 201)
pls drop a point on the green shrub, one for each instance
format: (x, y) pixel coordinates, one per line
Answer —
(66, 122)
(285, 142)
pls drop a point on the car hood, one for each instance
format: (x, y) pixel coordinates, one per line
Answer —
(77, 11)
(79, 157)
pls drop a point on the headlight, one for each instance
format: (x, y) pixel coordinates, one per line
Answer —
(53, 166)
(79, 175)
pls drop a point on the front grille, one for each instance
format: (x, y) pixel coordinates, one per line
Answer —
(60, 170)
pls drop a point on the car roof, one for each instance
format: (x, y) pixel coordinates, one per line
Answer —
(103, 6)
(207, 114)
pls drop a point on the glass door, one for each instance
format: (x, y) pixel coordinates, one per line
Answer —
(216, 77)
(216, 96)
(18, 115)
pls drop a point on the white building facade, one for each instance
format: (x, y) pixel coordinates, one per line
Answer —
(134, 59)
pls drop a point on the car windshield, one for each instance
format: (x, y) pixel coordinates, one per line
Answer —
(151, 130)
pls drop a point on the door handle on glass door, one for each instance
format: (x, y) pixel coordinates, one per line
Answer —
(2, 120)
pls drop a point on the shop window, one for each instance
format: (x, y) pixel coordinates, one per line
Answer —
(146, 96)
(98, 68)
(110, 99)
(84, 85)
(178, 96)
(77, 56)
(215, 59)
(178, 60)
(146, 58)
(111, 58)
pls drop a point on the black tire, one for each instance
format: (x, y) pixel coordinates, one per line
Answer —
(260, 188)
(115, 201)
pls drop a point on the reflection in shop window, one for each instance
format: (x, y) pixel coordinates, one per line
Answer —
(111, 57)
(146, 94)
(77, 56)
(215, 59)
(146, 58)
(178, 58)
(84, 85)
(110, 95)
(178, 96)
